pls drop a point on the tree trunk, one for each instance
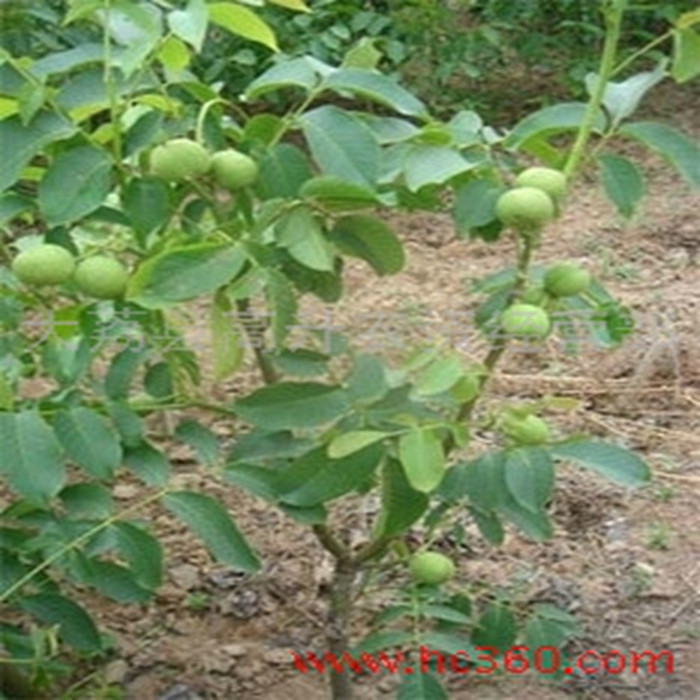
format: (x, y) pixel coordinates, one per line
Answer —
(338, 628)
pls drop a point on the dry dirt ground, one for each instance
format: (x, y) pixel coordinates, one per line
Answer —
(626, 563)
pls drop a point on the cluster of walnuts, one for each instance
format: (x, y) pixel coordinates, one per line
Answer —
(181, 159)
(104, 277)
(98, 276)
(528, 207)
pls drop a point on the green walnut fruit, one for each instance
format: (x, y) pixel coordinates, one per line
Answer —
(179, 159)
(234, 170)
(525, 321)
(553, 182)
(44, 264)
(530, 430)
(534, 295)
(525, 208)
(431, 567)
(566, 279)
(101, 277)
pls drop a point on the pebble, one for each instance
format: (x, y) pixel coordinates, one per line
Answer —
(185, 576)
(277, 657)
(116, 672)
(180, 691)
(235, 650)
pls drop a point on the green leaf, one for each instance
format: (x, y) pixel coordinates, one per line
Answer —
(364, 54)
(298, 5)
(475, 205)
(567, 116)
(421, 686)
(482, 480)
(533, 524)
(75, 184)
(688, 19)
(529, 476)
(146, 203)
(121, 371)
(30, 99)
(335, 194)
(382, 640)
(282, 304)
(314, 478)
(615, 463)
(446, 614)
(367, 380)
(148, 463)
(504, 279)
(622, 99)
(242, 22)
(354, 441)
(64, 61)
(7, 396)
(496, 628)
(92, 501)
(377, 87)
(142, 552)
(301, 363)
(342, 145)
(228, 343)
(433, 165)
(13, 205)
(173, 54)
(130, 23)
(181, 274)
(677, 149)
(283, 171)
(202, 440)
(545, 630)
(260, 481)
(402, 505)
(301, 233)
(390, 130)
(190, 24)
(686, 55)
(89, 441)
(21, 143)
(31, 456)
(128, 423)
(75, 625)
(623, 183)
(138, 28)
(423, 459)
(440, 376)
(450, 644)
(210, 521)
(158, 381)
(489, 524)
(290, 405)
(297, 73)
(370, 239)
(115, 581)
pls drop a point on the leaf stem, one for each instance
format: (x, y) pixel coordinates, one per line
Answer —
(638, 54)
(110, 86)
(526, 248)
(613, 22)
(77, 542)
(331, 543)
